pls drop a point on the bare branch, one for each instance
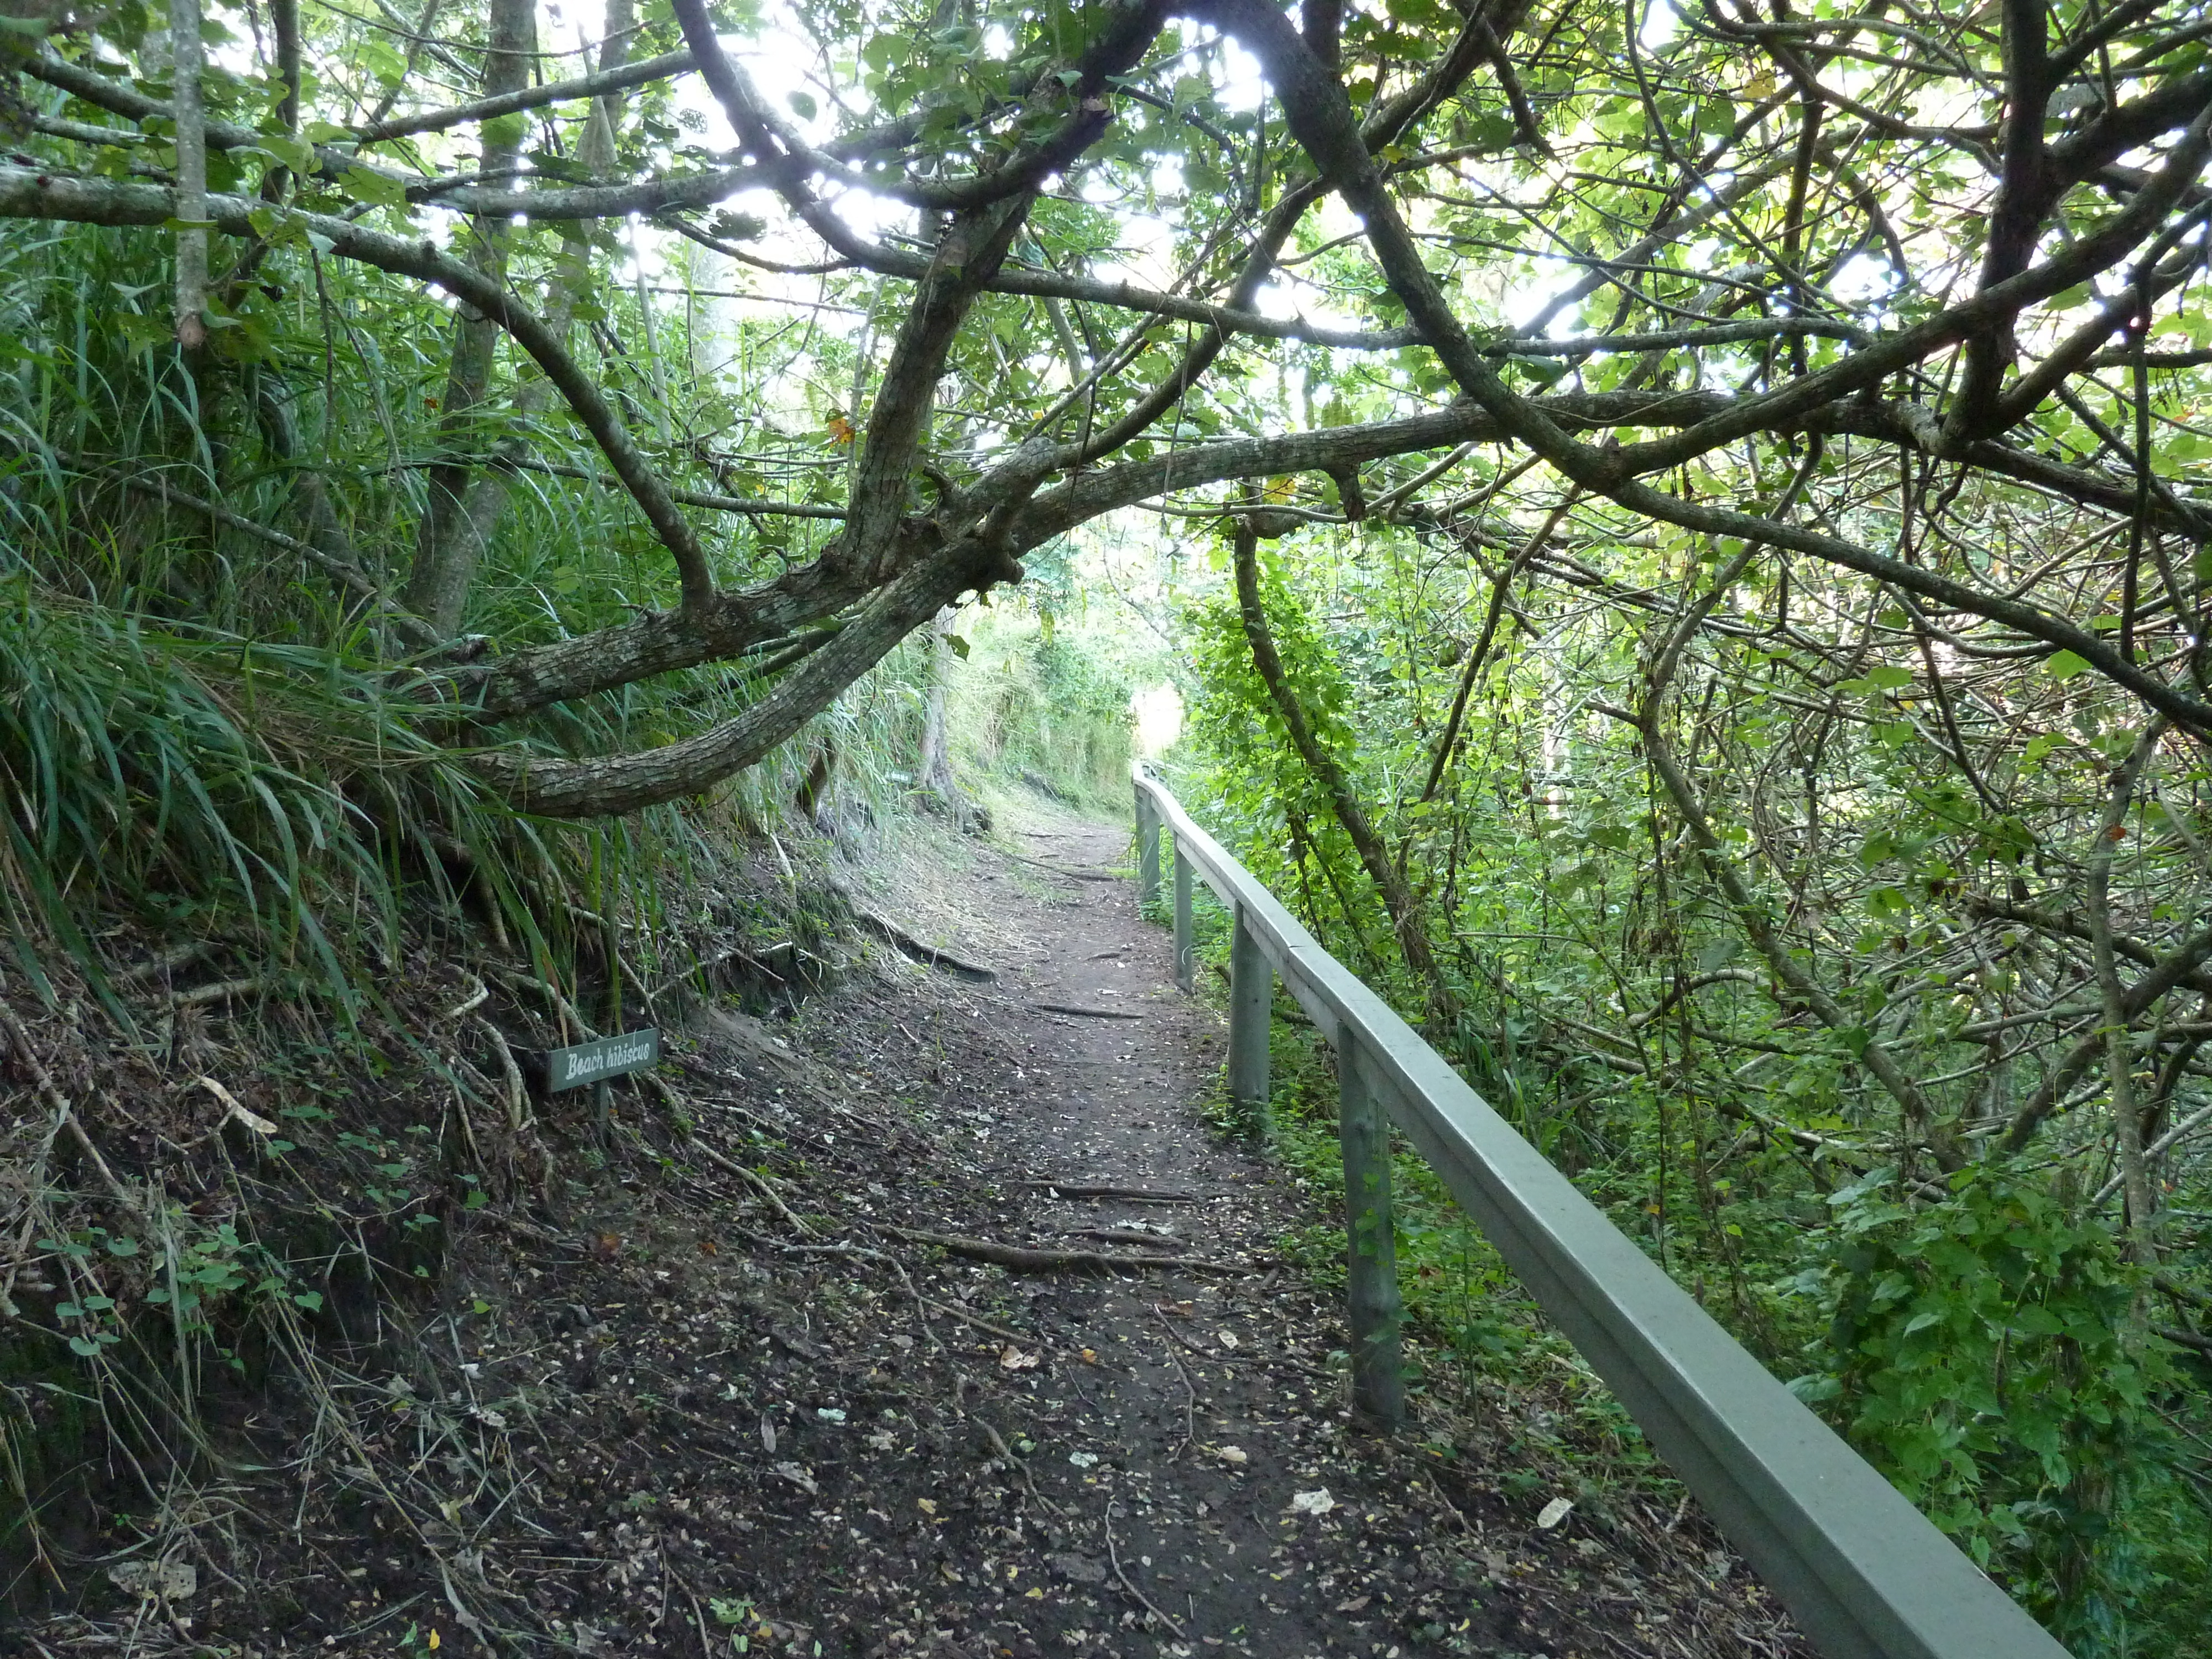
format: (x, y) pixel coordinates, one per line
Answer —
(666, 67)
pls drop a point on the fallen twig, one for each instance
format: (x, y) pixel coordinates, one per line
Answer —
(574, 1022)
(1072, 875)
(1026, 1259)
(1094, 1189)
(64, 1114)
(1222, 1357)
(174, 959)
(1114, 1556)
(1078, 1012)
(966, 1318)
(1189, 1389)
(759, 1183)
(232, 1109)
(1019, 1465)
(707, 964)
(1450, 1506)
(518, 1092)
(1119, 1236)
(492, 1216)
(468, 1004)
(227, 990)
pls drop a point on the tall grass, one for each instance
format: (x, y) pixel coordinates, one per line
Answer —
(196, 730)
(194, 781)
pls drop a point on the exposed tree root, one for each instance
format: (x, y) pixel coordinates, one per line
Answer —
(914, 951)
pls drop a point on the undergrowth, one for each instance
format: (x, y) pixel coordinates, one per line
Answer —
(1472, 1336)
(1983, 1352)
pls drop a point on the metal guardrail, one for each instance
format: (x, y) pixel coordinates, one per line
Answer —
(1863, 1572)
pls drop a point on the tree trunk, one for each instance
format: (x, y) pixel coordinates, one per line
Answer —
(1398, 898)
(2119, 1027)
(185, 60)
(448, 541)
(485, 504)
(937, 786)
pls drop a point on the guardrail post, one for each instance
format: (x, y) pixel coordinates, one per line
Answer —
(1378, 1380)
(1251, 997)
(1186, 953)
(1148, 848)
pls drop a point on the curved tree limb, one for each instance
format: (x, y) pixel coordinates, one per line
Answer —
(1321, 118)
(612, 785)
(1407, 921)
(1758, 925)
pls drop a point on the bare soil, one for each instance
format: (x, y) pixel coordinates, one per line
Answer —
(721, 1400)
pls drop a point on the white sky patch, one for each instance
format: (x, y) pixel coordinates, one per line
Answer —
(578, 23)
(1525, 302)
(1243, 87)
(1158, 712)
(1862, 277)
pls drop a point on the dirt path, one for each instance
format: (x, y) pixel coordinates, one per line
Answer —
(1193, 1480)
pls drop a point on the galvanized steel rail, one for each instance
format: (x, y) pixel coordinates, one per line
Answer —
(1865, 1573)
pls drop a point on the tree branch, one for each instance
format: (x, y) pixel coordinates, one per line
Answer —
(666, 67)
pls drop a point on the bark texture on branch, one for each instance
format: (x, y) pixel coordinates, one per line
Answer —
(450, 538)
(184, 65)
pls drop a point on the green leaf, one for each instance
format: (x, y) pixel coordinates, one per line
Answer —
(1544, 371)
(372, 188)
(292, 152)
(802, 104)
(380, 59)
(2064, 665)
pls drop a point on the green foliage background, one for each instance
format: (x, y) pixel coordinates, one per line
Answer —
(1979, 1335)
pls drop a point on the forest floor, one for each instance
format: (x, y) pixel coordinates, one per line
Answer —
(705, 1410)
